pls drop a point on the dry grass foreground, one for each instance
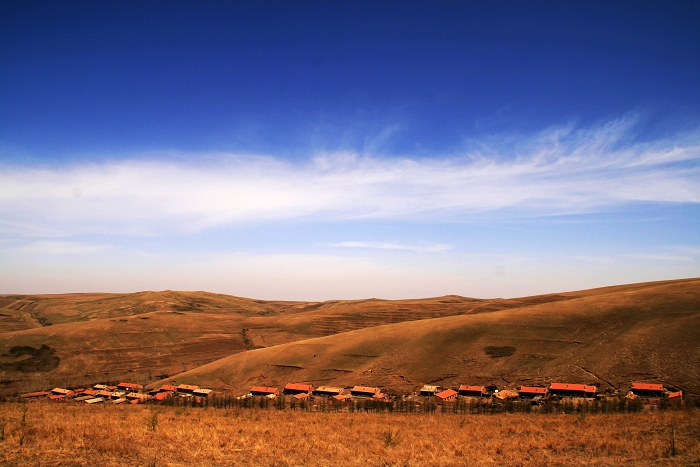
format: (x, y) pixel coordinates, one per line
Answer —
(58, 434)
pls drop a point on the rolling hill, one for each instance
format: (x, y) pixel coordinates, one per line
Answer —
(607, 336)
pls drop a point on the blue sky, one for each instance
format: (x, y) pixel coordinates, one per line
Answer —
(316, 150)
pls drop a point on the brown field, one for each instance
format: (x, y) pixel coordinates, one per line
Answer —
(608, 337)
(79, 435)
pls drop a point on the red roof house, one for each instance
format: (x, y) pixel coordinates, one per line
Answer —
(532, 391)
(572, 390)
(296, 388)
(448, 395)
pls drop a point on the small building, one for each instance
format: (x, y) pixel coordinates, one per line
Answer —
(297, 388)
(186, 388)
(572, 390)
(35, 395)
(129, 387)
(328, 391)
(532, 391)
(82, 398)
(100, 387)
(121, 400)
(648, 390)
(94, 400)
(89, 392)
(365, 391)
(62, 392)
(472, 391)
(448, 395)
(168, 388)
(428, 390)
(104, 393)
(263, 391)
(202, 392)
(55, 397)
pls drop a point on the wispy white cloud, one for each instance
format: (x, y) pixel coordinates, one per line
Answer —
(434, 248)
(559, 171)
(61, 248)
(687, 259)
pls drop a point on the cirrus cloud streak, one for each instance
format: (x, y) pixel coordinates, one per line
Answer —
(559, 171)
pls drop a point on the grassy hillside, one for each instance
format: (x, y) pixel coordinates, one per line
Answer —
(81, 338)
(607, 337)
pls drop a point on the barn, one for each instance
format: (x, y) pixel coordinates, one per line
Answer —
(328, 391)
(448, 395)
(365, 391)
(298, 388)
(572, 390)
(429, 391)
(648, 390)
(263, 391)
(532, 391)
(472, 391)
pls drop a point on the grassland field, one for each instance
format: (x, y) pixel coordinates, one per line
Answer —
(44, 434)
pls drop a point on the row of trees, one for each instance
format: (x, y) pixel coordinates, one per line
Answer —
(461, 406)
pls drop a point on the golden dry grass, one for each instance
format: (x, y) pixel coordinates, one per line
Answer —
(73, 434)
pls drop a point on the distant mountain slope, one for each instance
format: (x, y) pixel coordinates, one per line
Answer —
(608, 337)
(147, 335)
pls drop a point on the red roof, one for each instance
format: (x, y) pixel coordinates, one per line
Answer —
(446, 394)
(366, 389)
(673, 395)
(298, 387)
(464, 387)
(168, 388)
(572, 387)
(532, 390)
(89, 392)
(62, 391)
(56, 398)
(647, 387)
(263, 390)
(161, 396)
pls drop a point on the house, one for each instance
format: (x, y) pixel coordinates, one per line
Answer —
(186, 388)
(35, 395)
(201, 392)
(264, 391)
(296, 388)
(648, 390)
(94, 400)
(104, 393)
(342, 398)
(89, 392)
(532, 391)
(100, 387)
(168, 388)
(62, 392)
(429, 391)
(129, 387)
(55, 397)
(328, 391)
(472, 391)
(82, 398)
(572, 390)
(364, 391)
(448, 395)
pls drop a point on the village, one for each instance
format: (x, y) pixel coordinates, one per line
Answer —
(566, 396)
